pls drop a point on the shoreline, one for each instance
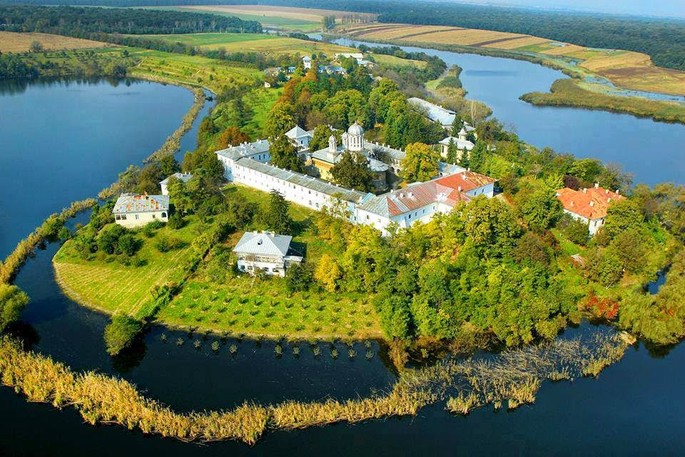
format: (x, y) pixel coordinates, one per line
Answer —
(554, 64)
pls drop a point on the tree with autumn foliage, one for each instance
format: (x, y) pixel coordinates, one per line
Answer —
(232, 136)
(421, 163)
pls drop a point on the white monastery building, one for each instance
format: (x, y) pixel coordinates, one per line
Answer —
(248, 165)
(133, 211)
(588, 205)
(185, 177)
(265, 251)
(461, 143)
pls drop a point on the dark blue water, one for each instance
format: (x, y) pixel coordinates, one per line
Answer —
(651, 151)
(634, 408)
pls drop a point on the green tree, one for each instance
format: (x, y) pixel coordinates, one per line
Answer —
(36, 46)
(452, 152)
(420, 163)
(621, 216)
(277, 217)
(320, 137)
(477, 157)
(352, 171)
(108, 238)
(280, 119)
(284, 154)
(298, 277)
(490, 226)
(120, 333)
(169, 166)
(346, 107)
(12, 302)
(541, 210)
(328, 272)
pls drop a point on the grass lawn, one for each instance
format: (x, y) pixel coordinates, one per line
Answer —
(252, 42)
(232, 303)
(105, 283)
(261, 101)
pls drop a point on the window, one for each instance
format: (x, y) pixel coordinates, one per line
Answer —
(163, 215)
(136, 217)
(154, 216)
(249, 267)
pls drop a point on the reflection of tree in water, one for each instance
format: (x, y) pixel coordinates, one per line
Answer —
(25, 333)
(130, 358)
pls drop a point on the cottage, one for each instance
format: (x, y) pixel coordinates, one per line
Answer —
(588, 205)
(184, 177)
(307, 62)
(132, 210)
(265, 251)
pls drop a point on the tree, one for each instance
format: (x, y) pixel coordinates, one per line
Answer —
(284, 154)
(36, 46)
(320, 137)
(328, 273)
(346, 107)
(276, 217)
(621, 215)
(232, 136)
(477, 157)
(352, 171)
(490, 226)
(452, 152)
(298, 277)
(108, 238)
(279, 120)
(420, 163)
(120, 333)
(12, 302)
(169, 166)
(541, 210)
(457, 125)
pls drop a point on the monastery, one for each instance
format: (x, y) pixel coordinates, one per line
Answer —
(248, 164)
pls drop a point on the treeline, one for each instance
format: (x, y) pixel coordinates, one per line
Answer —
(82, 22)
(435, 66)
(62, 64)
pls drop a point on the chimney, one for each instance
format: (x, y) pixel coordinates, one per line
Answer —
(459, 189)
(592, 203)
(596, 185)
(618, 191)
(584, 190)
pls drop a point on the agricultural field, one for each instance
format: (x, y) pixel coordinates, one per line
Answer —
(21, 42)
(215, 297)
(629, 70)
(396, 62)
(249, 42)
(300, 19)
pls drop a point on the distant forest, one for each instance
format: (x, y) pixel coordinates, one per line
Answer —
(662, 39)
(87, 22)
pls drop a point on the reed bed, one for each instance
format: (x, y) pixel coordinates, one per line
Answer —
(512, 378)
(26, 247)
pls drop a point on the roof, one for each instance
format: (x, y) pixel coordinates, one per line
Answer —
(434, 112)
(461, 144)
(263, 243)
(448, 190)
(307, 59)
(591, 203)
(131, 203)
(309, 182)
(297, 132)
(185, 177)
(245, 150)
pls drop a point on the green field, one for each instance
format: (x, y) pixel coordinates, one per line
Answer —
(214, 297)
(250, 42)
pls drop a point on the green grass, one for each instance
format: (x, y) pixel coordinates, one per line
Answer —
(261, 101)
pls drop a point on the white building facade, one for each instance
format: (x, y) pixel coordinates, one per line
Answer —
(265, 252)
(132, 211)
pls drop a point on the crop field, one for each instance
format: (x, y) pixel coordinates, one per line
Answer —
(302, 19)
(21, 42)
(194, 70)
(396, 62)
(249, 42)
(629, 70)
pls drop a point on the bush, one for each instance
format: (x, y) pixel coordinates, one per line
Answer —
(127, 244)
(298, 277)
(176, 221)
(12, 302)
(108, 238)
(121, 333)
(168, 243)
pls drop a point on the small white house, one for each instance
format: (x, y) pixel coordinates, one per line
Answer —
(461, 143)
(164, 185)
(133, 211)
(588, 205)
(307, 62)
(265, 251)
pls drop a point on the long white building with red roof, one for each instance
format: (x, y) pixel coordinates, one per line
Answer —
(588, 205)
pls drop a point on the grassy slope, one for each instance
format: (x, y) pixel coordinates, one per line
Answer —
(237, 304)
(21, 42)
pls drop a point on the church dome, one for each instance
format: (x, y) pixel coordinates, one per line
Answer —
(356, 130)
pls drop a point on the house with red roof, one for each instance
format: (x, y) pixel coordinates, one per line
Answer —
(588, 205)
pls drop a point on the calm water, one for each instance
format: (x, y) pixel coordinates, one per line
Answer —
(635, 407)
(652, 151)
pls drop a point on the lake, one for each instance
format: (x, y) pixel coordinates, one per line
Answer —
(635, 407)
(651, 151)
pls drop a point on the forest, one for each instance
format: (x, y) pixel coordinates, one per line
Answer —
(661, 39)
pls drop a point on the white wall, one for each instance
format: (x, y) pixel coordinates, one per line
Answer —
(133, 220)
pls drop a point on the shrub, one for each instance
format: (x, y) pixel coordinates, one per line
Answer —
(121, 333)
(12, 302)
(176, 221)
(168, 243)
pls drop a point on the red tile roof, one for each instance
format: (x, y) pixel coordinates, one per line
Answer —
(591, 203)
